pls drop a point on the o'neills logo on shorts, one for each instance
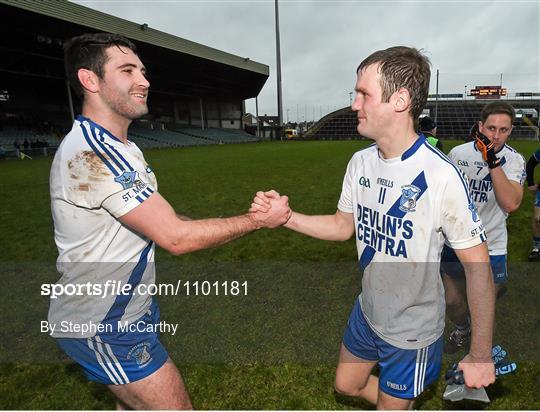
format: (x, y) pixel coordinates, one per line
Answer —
(396, 386)
(140, 353)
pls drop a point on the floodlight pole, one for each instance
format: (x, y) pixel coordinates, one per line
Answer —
(70, 101)
(257, 113)
(437, 96)
(278, 66)
(202, 112)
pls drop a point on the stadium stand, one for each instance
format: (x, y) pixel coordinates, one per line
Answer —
(7, 137)
(148, 138)
(37, 142)
(143, 137)
(199, 90)
(215, 135)
(172, 135)
(454, 119)
(338, 125)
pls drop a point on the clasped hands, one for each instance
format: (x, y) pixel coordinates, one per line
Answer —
(270, 209)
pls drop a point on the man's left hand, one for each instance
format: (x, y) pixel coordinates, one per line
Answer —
(486, 147)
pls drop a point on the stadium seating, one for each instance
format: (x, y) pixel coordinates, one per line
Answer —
(215, 135)
(338, 125)
(454, 119)
(180, 136)
(147, 138)
(8, 136)
(144, 137)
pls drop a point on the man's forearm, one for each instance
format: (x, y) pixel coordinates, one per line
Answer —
(206, 233)
(508, 196)
(325, 227)
(156, 219)
(481, 299)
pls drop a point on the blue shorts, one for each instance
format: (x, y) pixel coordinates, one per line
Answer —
(118, 358)
(404, 373)
(451, 265)
(537, 199)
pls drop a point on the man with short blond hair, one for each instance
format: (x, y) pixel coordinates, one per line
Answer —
(401, 199)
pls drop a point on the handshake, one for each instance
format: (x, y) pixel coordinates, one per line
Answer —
(270, 209)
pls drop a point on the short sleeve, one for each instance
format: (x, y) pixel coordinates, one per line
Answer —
(135, 190)
(514, 168)
(91, 183)
(345, 200)
(460, 220)
(452, 155)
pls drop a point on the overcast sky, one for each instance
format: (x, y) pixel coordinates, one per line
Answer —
(322, 42)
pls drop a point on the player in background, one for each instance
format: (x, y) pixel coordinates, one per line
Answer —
(108, 213)
(428, 127)
(496, 173)
(534, 188)
(401, 198)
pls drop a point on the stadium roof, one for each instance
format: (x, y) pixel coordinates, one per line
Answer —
(196, 69)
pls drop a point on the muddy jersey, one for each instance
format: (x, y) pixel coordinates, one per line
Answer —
(470, 161)
(95, 179)
(404, 209)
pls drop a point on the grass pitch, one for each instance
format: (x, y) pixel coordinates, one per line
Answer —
(275, 348)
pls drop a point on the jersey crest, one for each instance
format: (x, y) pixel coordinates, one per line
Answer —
(407, 201)
(126, 179)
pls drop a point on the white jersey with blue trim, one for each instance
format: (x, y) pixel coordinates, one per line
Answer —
(95, 179)
(470, 161)
(404, 208)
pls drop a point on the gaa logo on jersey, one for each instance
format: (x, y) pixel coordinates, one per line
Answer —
(126, 179)
(364, 181)
(140, 353)
(474, 212)
(407, 201)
